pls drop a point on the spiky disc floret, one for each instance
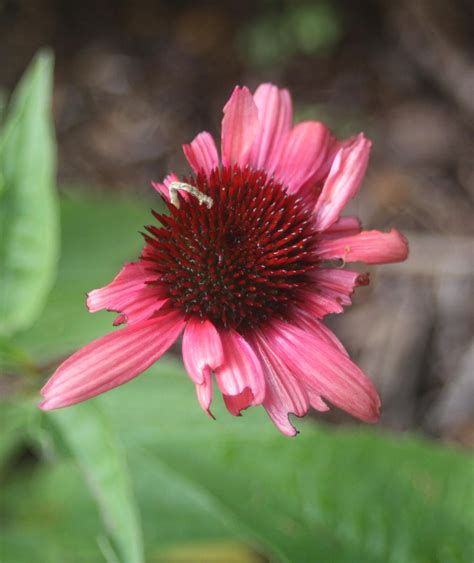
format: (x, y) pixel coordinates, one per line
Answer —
(240, 262)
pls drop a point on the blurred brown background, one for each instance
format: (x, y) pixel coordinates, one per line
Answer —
(134, 80)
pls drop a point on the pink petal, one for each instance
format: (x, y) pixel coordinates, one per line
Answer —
(320, 305)
(204, 393)
(111, 360)
(333, 147)
(140, 307)
(131, 278)
(162, 189)
(275, 114)
(316, 402)
(202, 349)
(241, 369)
(343, 181)
(338, 285)
(343, 227)
(239, 127)
(331, 291)
(304, 320)
(284, 394)
(327, 371)
(129, 293)
(237, 403)
(202, 153)
(303, 154)
(371, 247)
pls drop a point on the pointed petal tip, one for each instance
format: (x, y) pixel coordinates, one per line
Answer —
(239, 127)
(201, 153)
(43, 405)
(49, 404)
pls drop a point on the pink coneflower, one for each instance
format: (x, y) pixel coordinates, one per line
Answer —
(241, 264)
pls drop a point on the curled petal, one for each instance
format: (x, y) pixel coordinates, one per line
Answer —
(111, 361)
(241, 369)
(202, 153)
(338, 285)
(328, 372)
(371, 247)
(202, 349)
(239, 127)
(321, 305)
(343, 181)
(332, 290)
(275, 115)
(237, 403)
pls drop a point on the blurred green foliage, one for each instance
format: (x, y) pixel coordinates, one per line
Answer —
(287, 29)
(28, 207)
(339, 495)
(87, 434)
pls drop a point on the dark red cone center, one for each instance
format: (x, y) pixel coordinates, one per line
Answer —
(240, 262)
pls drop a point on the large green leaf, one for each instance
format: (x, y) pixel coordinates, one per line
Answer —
(87, 434)
(28, 207)
(98, 237)
(337, 495)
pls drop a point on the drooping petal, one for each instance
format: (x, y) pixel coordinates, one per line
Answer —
(371, 247)
(204, 393)
(304, 320)
(343, 227)
(129, 294)
(237, 403)
(241, 369)
(284, 394)
(326, 370)
(343, 181)
(111, 361)
(239, 127)
(202, 153)
(275, 115)
(163, 188)
(202, 349)
(302, 155)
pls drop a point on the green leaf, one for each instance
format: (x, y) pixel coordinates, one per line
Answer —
(91, 231)
(28, 206)
(14, 359)
(328, 495)
(92, 442)
(339, 495)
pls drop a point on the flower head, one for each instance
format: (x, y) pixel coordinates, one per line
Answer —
(241, 264)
